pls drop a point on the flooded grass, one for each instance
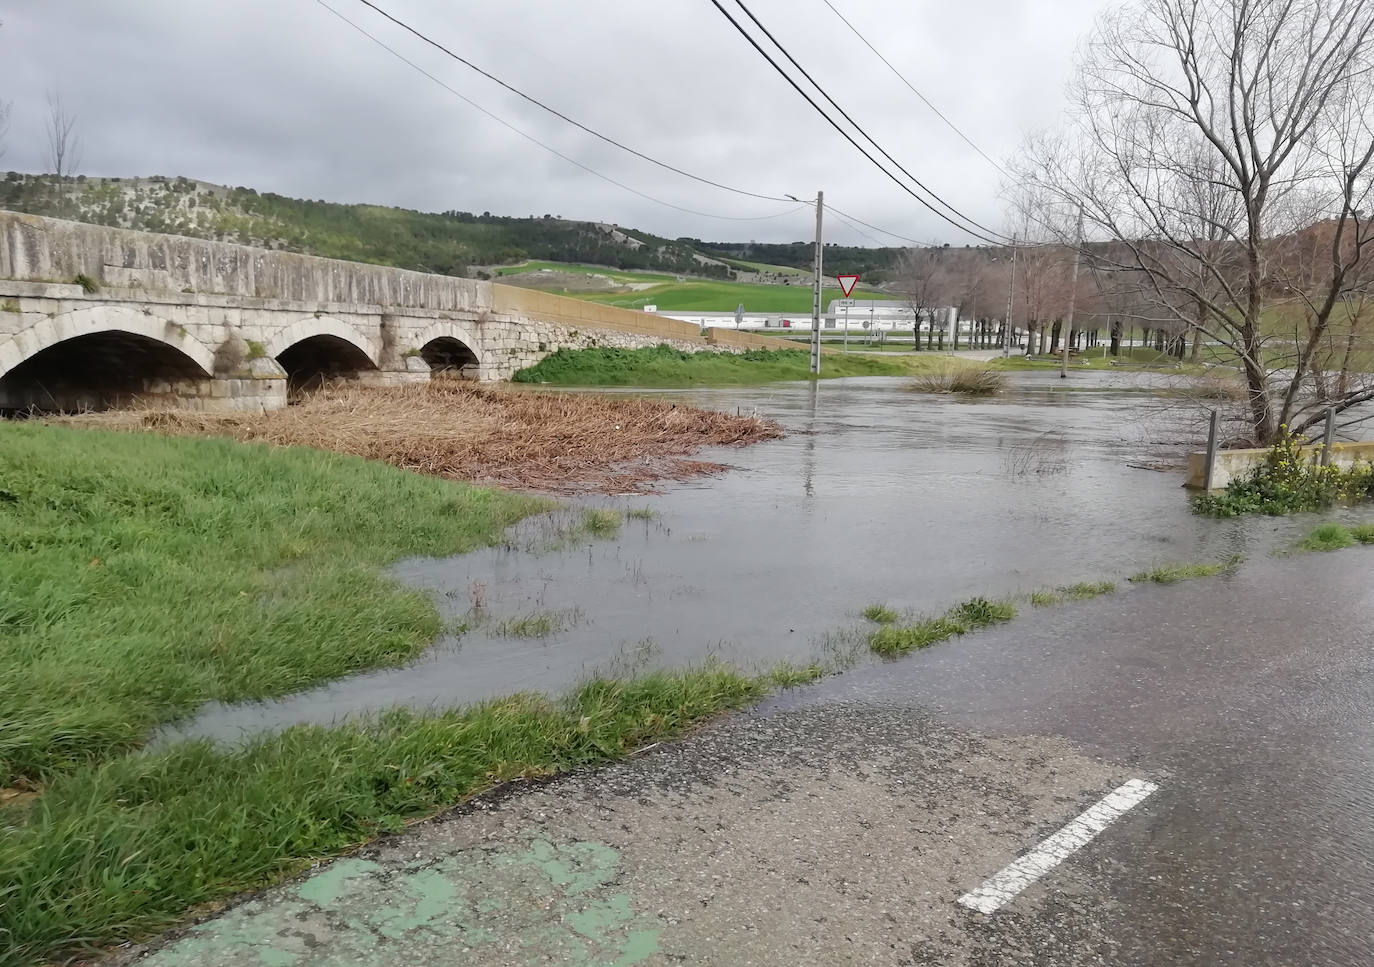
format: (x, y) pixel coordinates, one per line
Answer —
(119, 849)
(142, 576)
(894, 641)
(1328, 537)
(640, 513)
(1333, 537)
(960, 378)
(539, 624)
(1173, 573)
(602, 523)
(1083, 591)
(880, 614)
(530, 440)
(982, 613)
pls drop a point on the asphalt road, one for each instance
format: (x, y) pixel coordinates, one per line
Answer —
(841, 823)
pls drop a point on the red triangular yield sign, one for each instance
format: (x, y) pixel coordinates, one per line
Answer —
(847, 283)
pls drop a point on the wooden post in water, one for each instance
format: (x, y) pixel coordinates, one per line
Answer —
(1328, 436)
(1210, 465)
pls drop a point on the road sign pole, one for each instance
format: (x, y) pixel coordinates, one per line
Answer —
(816, 288)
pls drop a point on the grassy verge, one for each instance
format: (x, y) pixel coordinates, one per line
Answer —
(1173, 573)
(119, 849)
(665, 366)
(1133, 359)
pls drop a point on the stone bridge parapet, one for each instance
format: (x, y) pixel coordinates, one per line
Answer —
(92, 316)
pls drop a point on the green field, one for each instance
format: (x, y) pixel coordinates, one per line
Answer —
(706, 296)
(619, 275)
(663, 366)
(763, 267)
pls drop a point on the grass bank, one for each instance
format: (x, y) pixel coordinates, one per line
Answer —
(533, 441)
(120, 849)
(663, 366)
(143, 575)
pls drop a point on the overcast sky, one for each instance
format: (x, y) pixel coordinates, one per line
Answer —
(282, 96)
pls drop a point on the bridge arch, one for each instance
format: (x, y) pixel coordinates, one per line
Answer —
(450, 350)
(98, 357)
(48, 333)
(319, 348)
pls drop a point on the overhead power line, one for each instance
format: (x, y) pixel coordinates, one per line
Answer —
(855, 124)
(531, 138)
(559, 114)
(957, 220)
(925, 100)
(846, 217)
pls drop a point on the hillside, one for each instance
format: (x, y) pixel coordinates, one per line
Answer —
(450, 243)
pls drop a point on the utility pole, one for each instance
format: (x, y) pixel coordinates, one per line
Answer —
(816, 287)
(1011, 295)
(1073, 298)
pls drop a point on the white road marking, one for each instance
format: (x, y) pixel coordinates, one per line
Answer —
(1002, 888)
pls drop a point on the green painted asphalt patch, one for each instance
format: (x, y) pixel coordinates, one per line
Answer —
(509, 904)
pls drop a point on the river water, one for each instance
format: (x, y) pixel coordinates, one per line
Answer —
(875, 495)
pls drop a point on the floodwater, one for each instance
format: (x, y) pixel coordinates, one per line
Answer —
(875, 495)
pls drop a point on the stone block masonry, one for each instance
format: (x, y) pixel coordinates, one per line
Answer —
(92, 316)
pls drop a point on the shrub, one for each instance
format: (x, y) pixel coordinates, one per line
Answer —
(958, 378)
(1287, 482)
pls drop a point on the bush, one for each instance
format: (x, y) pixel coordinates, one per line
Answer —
(1287, 482)
(958, 378)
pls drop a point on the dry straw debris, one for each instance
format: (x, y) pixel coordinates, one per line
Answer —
(553, 442)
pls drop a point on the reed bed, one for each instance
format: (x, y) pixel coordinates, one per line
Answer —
(557, 443)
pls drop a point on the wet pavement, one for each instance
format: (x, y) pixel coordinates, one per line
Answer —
(840, 823)
(876, 495)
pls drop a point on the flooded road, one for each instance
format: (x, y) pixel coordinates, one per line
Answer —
(875, 495)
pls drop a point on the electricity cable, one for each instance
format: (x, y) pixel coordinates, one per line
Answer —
(559, 114)
(531, 138)
(855, 124)
(925, 100)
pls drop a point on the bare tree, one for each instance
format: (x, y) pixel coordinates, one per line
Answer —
(64, 148)
(917, 278)
(1204, 136)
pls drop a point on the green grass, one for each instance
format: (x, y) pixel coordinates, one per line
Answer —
(880, 614)
(1131, 358)
(764, 267)
(789, 675)
(895, 640)
(1173, 573)
(537, 624)
(116, 850)
(1333, 537)
(981, 613)
(640, 513)
(602, 523)
(1082, 591)
(665, 366)
(710, 296)
(577, 268)
(141, 576)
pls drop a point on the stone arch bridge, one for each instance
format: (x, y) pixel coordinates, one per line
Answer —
(92, 317)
